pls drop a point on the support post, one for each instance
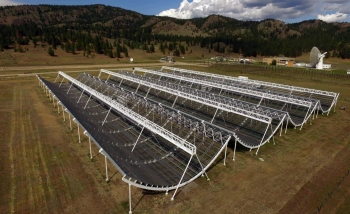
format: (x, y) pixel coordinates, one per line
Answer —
(78, 132)
(82, 92)
(225, 155)
(281, 129)
(262, 139)
(174, 101)
(234, 151)
(183, 175)
(70, 122)
(121, 81)
(64, 117)
(69, 88)
(137, 88)
(214, 115)
(56, 78)
(147, 92)
(90, 148)
(106, 116)
(273, 137)
(137, 139)
(87, 101)
(200, 163)
(130, 211)
(61, 82)
(106, 168)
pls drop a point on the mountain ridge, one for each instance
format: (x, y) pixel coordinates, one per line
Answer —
(215, 32)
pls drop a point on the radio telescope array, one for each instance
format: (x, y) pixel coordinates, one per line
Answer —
(163, 129)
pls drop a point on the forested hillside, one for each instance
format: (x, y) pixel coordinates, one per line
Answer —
(100, 29)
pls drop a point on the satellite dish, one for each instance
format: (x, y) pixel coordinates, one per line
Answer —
(131, 60)
(314, 56)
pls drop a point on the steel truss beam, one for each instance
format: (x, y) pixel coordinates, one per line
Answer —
(204, 128)
(273, 113)
(277, 97)
(259, 83)
(198, 96)
(172, 138)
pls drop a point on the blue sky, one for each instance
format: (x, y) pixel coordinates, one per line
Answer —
(150, 7)
(285, 10)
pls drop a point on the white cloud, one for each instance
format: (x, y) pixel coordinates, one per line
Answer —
(240, 9)
(260, 9)
(336, 17)
(8, 3)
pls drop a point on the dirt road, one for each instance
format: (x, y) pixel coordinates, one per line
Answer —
(30, 71)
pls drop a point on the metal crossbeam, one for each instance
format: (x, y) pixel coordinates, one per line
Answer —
(206, 100)
(202, 127)
(257, 82)
(273, 113)
(172, 138)
(276, 97)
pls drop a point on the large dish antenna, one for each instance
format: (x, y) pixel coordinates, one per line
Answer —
(314, 56)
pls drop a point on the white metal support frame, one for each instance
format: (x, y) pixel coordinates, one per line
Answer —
(137, 139)
(235, 103)
(64, 117)
(276, 85)
(172, 138)
(232, 88)
(183, 175)
(202, 100)
(216, 105)
(334, 95)
(101, 151)
(225, 156)
(262, 139)
(234, 151)
(75, 120)
(106, 116)
(130, 211)
(85, 133)
(70, 122)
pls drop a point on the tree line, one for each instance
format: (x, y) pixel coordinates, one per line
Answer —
(94, 32)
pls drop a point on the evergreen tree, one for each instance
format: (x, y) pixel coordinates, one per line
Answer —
(117, 51)
(177, 52)
(79, 45)
(72, 48)
(161, 48)
(67, 47)
(126, 52)
(171, 47)
(110, 53)
(151, 48)
(34, 42)
(50, 51)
